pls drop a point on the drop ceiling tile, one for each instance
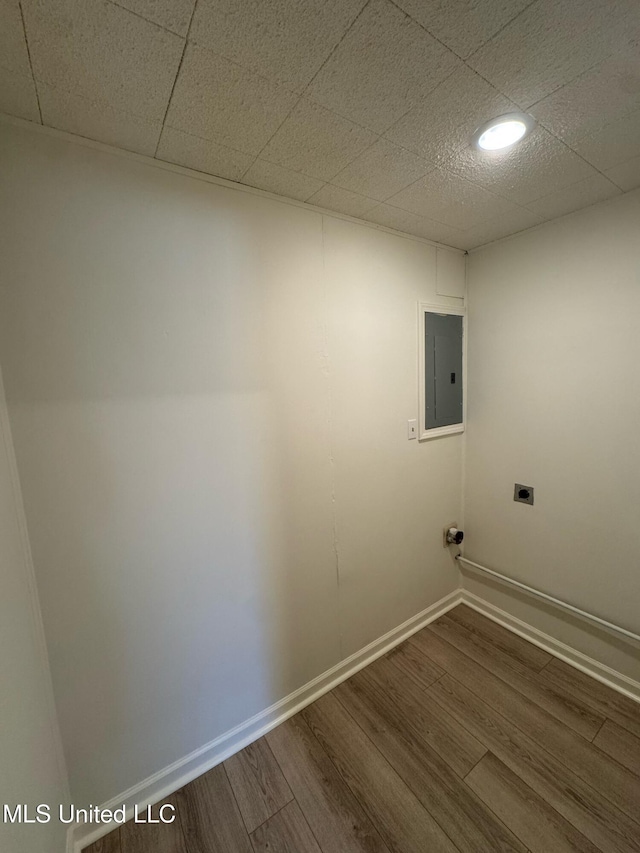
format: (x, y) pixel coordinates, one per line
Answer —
(536, 167)
(174, 15)
(626, 175)
(444, 122)
(342, 201)
(411, 223)
(613, 143)
(394, 217)
(574, 197)
(501, 226)
(99, 121)
(18, 96)
(602, 94)
(450, 199)
(13, 47)
(463, 25)
(277, 179)
(285, 40)
(101, 52)
(384, 65)
(382, 170)
(203, 155)
(317, 142)
(550, 43)
(217, 99)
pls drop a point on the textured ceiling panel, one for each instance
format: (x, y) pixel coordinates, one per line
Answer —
(18, 96)
(277, 179)
(13, 47)
(420, 226)
(626, 175)
(601, 95)
(463, 25)
(446, 119)
(97, 120)
(366, 107)
(317, 142)
(612, 143)
(382, 68)
(552, 42)
(17, 89)
(501, 226)
(202, 154)
(538, 166)
(591, 190)
(343, 201)
(173, 15)
(382, 170)
(285, 40)
(450, 199)
(219, 100)
(102, 53)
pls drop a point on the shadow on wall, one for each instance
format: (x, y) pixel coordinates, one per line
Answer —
(169, 403)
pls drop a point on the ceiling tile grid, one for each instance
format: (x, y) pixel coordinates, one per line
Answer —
(566, 200)
(626, 175)
(98, 120)
(194, 152)
(550, 43)
(382, 170)
(411, 223)
(537, 166)
(364, 107)
(463, 25)
(316, 141)
(284, 40)
(103, 53)
(220, 100)
(18, 96)
(445, 120)
(450, 199)
(13, 48)
(173, 15)
(342, 201)
(601, 95)
(17, 89)
(276, 179)
(381, 68)
(613, 143)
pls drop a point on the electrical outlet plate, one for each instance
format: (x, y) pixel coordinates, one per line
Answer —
(523, 494)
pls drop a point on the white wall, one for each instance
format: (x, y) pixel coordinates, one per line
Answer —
(31, 767)
(209, 392)
(554, 402)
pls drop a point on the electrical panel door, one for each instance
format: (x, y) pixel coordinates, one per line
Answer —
(443, 370)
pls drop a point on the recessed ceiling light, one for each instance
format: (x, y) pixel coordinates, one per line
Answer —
(503, 131)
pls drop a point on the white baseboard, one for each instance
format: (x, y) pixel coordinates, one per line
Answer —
(183, 771)
(622, 683)
(168, 780)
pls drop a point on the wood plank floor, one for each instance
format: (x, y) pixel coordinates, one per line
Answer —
(465, 738)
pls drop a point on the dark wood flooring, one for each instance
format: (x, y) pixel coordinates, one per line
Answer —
(465, 738)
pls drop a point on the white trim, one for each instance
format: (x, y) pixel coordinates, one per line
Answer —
(168, 780)
(615, 680)
(210, 179)
(438, 432)
(425, 434)
(183, 771)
